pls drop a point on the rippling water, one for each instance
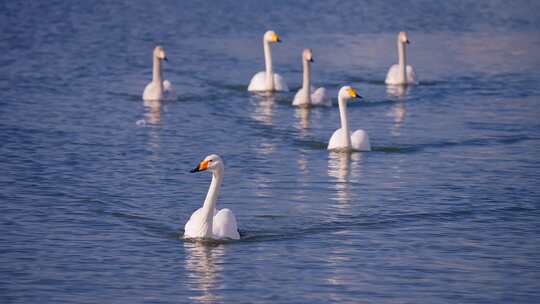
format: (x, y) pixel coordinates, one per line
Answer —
(94, 183)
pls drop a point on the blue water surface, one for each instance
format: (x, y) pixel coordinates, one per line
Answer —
(95, 186)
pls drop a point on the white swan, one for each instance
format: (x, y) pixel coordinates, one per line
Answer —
(308, 95)
(158, 89)
(268, 81)
(401, 73)
(342, 139)
(208, 222)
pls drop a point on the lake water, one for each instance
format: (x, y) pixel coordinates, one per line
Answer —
(95, 186)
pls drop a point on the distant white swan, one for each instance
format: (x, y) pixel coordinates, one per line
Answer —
(208, 222)
(308, 95)
(401, 73)
(158, 89)
(342, 139)
(268, 81)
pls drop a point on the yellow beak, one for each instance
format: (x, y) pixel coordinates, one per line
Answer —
(353, 93)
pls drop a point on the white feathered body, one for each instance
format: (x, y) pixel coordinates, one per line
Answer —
(393, 75)
(223, 225)
(154, 91)
(319, 97)
(359, 141)
(258, 83)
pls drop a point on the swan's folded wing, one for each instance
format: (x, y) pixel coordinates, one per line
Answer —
(360, 141)
(279, 83)
(299, 98)
(224, 226)
(169, 93)
(193, 227)
(151, 92)
(336, 141)
(258, 82)
(321, 98)
(411, 75)
(392, 76)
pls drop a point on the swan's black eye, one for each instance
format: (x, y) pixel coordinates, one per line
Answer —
(210, 161)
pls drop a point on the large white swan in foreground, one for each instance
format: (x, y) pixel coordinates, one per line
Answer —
(208, 222)
(308, 95)
(342, 139)
(268, 81)
(401, 73)
(158, 89)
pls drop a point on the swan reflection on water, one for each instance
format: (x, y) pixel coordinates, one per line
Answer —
(398, 110)
(302, 114)
(204, 267)
(264, 107)
(263, 112)
(397, 90)
(346, 168)
(153, 117)
(153, 114)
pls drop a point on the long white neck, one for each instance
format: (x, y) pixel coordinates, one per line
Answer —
(268, 64)
(402, 62)
(344, 121)
(306, 85)
(156, 72)
(210, 202)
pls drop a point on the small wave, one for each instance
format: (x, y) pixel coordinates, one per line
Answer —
(451, 143)
(393, 149)
(205, 241)
(124, 96)
(365, 80)
(312, 144)
(235, 87)
(373, 222)
(364, 221)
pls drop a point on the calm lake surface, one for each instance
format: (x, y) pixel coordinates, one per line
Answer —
(95, 186)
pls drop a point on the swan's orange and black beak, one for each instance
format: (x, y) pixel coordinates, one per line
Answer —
(352, 92)
(203, 165)
(165, 58)
(407, 41)
(311, 59)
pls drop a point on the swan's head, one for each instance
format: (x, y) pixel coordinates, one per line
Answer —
(307, 55)
(402, 37)
(271, 36)
(346, 93)
(160, 53)
(211, 162)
